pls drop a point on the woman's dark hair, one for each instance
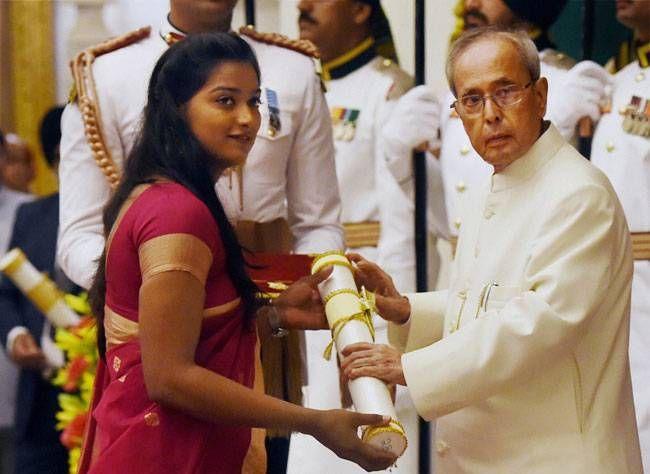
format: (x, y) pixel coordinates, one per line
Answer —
(166, 148)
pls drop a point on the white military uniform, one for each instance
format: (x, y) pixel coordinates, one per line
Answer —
(289, 173)
(462, 168)
(625, 158)
(360, 101)
(523, 361)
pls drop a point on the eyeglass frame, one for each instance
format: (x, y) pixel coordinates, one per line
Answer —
(485, 97)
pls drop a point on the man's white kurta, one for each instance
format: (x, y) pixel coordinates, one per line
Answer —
(625, 159)
(524, 360)
(289, 174)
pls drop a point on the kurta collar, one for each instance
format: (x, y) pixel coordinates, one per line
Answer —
(349, 62)
(542, 151)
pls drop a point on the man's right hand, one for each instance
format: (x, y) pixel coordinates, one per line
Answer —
(26, 353)
(391, 305)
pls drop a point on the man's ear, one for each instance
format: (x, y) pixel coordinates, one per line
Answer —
(541, 94)
(361, 13)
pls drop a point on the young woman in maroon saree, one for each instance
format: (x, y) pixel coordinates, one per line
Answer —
(176, 308)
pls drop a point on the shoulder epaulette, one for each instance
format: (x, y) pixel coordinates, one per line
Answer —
(301, 46)
(402, 81)
(85, 94)
(557, 59)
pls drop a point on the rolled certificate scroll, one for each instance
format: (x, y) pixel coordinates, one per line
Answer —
(350, 320)
(38, 288)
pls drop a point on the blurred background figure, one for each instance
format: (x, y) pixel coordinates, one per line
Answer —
(621, 148)
(26, 334)
(17, 165)
(9, 202)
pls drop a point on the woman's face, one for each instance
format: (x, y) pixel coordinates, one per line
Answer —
(224, 115)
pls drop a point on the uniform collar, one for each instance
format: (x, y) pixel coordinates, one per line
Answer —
(542, 151)
(350, 61)
(169, 33)
(643, 53)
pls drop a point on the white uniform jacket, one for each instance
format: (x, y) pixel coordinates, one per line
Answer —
(625, 159)
(462, 168)
(369, 192)
(289, 173)
(523, 360)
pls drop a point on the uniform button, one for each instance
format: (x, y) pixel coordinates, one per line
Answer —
(271, 132)
(457, 223)
(460, 186)
(488, 213)
(639, 77)
(464, 150)
(610, 146)
(441, 447)
(387, 62)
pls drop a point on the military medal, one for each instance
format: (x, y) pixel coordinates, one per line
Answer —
(274, 112)
(344, 123)
(637, 117)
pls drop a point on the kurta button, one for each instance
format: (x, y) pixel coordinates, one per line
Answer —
(457, 223)
(610, 146)
(460, 186)
(488, 213)
(271, 132)
(387, 62)
(464, 150)
(441, 447)
(639, 77)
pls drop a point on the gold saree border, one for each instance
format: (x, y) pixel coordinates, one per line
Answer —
(175, 252)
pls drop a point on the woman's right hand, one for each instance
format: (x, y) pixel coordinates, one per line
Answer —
(391, 305)
(338, 431)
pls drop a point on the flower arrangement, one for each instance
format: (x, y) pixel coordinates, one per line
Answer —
(76, 377)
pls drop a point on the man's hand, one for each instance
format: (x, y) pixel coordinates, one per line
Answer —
(390, 304)
(373, 360)
(337, 429)
(413, 122)
(584, 91)
(26, 353)
(300, 305)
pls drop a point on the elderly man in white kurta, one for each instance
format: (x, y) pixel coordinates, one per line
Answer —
(523, 361)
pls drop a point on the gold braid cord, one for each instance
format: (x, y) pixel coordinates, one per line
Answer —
(88, 103)
(302, 46)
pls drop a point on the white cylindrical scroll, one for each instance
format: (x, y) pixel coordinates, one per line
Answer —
(38, 288)
(350, 321)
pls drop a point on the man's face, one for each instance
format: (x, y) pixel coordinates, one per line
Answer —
(16, 166)
(203, 15)
(487, 12)
(326, 22)
(499, 135)
(633, 13)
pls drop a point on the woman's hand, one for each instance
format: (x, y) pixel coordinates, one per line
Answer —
(338, 431)
(390, 304)
(300, 305)
(373, 360)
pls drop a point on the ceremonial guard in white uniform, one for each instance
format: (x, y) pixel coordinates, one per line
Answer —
(363, 83)
(574, 92)
(284, 199)
(621, 148)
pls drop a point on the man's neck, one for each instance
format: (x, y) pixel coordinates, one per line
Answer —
(187, 25)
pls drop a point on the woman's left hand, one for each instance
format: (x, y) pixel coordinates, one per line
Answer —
(300, 305)
(381, 361)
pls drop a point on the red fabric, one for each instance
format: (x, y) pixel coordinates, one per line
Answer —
(277, 268)
(134, 434)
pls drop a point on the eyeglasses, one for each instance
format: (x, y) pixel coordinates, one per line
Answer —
(472, 104)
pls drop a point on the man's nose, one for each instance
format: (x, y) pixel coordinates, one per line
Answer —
(472, 4)
(304, 5)
(491, 111)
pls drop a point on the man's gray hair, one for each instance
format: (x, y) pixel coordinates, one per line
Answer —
(518, 38)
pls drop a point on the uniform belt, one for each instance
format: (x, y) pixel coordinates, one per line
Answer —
(272, 237)
(361, 234)
(640, 245)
